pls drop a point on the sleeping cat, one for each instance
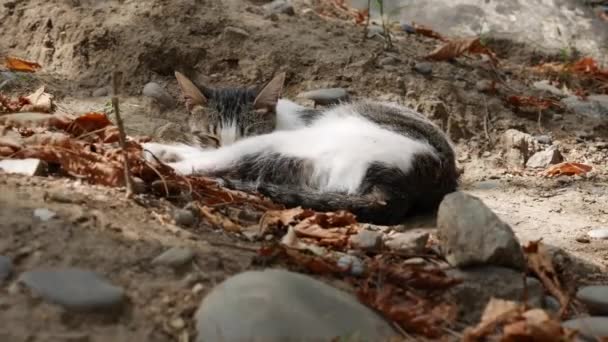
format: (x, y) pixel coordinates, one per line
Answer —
(381, 161)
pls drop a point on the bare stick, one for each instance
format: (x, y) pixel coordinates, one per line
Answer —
(369, 13)
(116, 80)
(387, 34)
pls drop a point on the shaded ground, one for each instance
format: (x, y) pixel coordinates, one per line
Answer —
(79, 42)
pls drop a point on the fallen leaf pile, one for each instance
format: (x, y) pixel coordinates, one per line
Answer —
(39, 101)
(586, 71)
(510, 321)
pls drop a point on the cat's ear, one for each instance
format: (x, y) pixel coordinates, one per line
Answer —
(270, 94)
(193, 95)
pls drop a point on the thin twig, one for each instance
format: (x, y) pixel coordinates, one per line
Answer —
(116, 80)
(486, 119)
(387, 34)
(231, 245)
(369, 14)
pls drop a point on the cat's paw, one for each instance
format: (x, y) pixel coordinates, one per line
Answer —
(184, 167)
(154, 152)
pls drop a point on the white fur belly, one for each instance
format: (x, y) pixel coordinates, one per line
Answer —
(343, 148)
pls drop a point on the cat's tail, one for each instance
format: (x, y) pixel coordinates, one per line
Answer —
(366, 208)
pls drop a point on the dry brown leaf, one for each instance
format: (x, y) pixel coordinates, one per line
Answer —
(536, 326)
(567, 168)
(428, 32)
(313, 263)
(39, 101)
(16, 64)
(11, 106)
(458, 47)
(219, 220)
(30, 120)
(532, 101)
(497, 312)
(283, 218)
(94, 125)
(540, 262)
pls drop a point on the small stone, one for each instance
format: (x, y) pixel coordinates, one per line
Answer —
(471, 234)
(595, 299)
(544, 139)
(408, 28)
(582, 239)
(326, 96)
(409, 242)
(546, 86)
(174, 257)
(197, 288)
(99, 92)
(177, 323)
(518, 147)
(600, 233)
(551, 303)
(423, 68)
(352, 264)
(486, 154)
(480, 284)
(545, 158)
(280, 7)
(139, 186)
(73, 288)
(367, 240)
(232, 32)
(29, 166)
(485, 86)
(43, 214)
(155, 91)
(389, 60)
(590, 327)
(277, 305)
(184, 217)
(6, 267)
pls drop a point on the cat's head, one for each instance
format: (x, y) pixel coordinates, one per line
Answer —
(219, 117)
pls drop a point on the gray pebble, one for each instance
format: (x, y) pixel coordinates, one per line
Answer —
(590, 327)
(326, 96)
(600, 233)
(390, 60)
(235, 33)
(595, 298)
(174, 257)
(551, 303)
(44, 214)
(6, 267)
(351, 263)
(280, 7)
(470, 234)
(367, 240)
(409, 242)
(277, 305)
(184, 217)
(103, 91)
(73, 288)
(545, 158)
(544, 139)
(155, 91)
(424, 68)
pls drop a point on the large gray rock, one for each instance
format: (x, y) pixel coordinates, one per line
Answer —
(595, 299)
(480, 284)
(545, 158)
(591, 328)
(471, 234)
(73, 288)
(277, 305)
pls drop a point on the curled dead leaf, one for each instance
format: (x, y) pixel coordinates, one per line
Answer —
(567, 168)
(16, 64)
(458, 47)
(428, 32)
(540, 262)
(532, 101)
(219, 220)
